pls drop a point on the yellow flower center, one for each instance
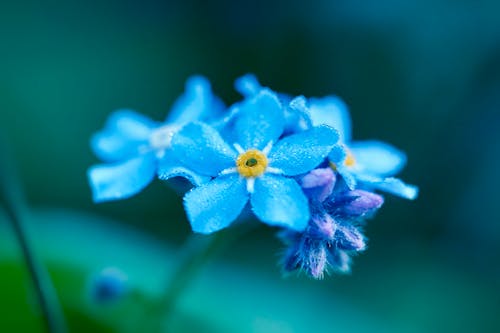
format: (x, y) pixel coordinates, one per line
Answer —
(349, 159)
(251, 163)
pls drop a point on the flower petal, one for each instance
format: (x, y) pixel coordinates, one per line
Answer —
(215, 205)
(120, 139)
(279, 201)
(169, 167)
(197, 103)
(390, 185)
(297, 118)
(337, 154)
(247, 85)
(200, 148)
(331, 111)
(347, 176)
(301, 152)
(226, 125)
(260, 120)
(122, 180)
(377, 158)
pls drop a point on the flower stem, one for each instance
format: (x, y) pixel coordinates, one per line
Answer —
(197, 251)
(13, 202)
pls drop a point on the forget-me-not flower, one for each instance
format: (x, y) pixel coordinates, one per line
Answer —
(135, 148)
(290, 160)
(255, 166)
(367, 164)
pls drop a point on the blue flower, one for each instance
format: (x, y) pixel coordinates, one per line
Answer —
(135, 149)
(362, 164)
(255, 167)
(333, 233)
(366, 164)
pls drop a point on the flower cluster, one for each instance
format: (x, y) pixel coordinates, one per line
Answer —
(288, 160)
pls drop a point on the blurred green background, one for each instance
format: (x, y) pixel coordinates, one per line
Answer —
(423, 75)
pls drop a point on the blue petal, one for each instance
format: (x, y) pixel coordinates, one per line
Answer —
(390, 185)
(347, 176)
(279, 201)
(331, 111)
(120, 139)
(259, 121)
(226, 125)
(215, 205)
(120, 181)
(300, 153)
(377, 158)
(169, 167)
(297, 117)
(337, 154)
(336, 157)
(197, 103)
(247, 85)
(200, 148)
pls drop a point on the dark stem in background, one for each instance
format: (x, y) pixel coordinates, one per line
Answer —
(13, 201)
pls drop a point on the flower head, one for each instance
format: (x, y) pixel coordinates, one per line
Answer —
(289, 159)
(364, 164)
(135, 149)
(368, 164)
(256, 166)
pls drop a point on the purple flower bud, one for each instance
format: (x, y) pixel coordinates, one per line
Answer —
(362, 202)
(349, 238)
(314, 256)
(316, 262)
(323, 227)
(318, 184)
(307, 255)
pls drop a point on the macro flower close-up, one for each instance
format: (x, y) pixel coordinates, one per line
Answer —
(372, 163)
(256, 167)
(250, 167)
(136, 149)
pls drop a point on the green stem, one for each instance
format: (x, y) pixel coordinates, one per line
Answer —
(11, 195)
(196, 253)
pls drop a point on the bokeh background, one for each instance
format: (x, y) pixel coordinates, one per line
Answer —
(423, 75)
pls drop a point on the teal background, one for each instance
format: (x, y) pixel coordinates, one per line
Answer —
(423, 75)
